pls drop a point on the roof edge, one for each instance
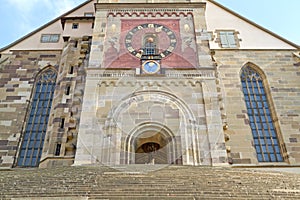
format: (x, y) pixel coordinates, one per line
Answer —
(255, 24)
(211, 1)
(43, 26)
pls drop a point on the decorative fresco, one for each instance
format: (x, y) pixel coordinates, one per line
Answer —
(174, 40)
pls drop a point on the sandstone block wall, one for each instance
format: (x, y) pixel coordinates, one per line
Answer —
(282, 72)
(61, 137)
(17, 77)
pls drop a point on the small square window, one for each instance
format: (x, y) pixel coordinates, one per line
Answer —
(54, 38)
(228, 39)
(50, 38)
(45, 38)
(88, 14)
(75, 26)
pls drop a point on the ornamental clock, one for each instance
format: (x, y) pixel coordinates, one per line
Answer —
(155, 29)
(148, 52)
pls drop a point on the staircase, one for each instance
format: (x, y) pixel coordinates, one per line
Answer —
(147, 182)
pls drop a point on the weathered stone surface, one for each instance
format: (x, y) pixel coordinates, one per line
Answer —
(147, 182)
(17, 78)
(282, 88)
(196, 98)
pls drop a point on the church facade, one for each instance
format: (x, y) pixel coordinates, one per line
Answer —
(150, 82)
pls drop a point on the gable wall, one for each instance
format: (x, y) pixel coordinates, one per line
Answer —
(32, 42)
(89, 7)
(85, 28)
(251, 36)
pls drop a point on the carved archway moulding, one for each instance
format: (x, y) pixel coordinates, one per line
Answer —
(158, 95)
(184, 141)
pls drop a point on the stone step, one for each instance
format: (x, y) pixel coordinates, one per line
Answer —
(148, 182)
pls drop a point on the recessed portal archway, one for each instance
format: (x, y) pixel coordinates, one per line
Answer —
(152, 143)
(151, 147)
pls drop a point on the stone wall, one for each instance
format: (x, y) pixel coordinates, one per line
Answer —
(61, 137)
(17, 79)
(132, 182)
(118, 104)
(282, 72)
(18, 72)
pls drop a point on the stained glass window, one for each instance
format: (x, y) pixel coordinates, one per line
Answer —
(264, 133)
(37, 120)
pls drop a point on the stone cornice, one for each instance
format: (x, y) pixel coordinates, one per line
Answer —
(144, 6)
(204, 73)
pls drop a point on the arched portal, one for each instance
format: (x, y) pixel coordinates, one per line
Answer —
(150, 148)
(152, 143)
(153, 112)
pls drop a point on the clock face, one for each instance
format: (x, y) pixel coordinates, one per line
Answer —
(157, 29)
(151, 66)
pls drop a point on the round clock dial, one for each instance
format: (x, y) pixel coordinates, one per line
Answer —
(151, 66)
(155, 29)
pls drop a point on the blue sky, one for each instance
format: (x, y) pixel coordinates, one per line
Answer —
(19, 17)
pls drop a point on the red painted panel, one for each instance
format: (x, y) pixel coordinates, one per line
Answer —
(123, 59)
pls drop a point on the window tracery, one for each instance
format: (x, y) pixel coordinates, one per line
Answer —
(36, 125)
(266, 141)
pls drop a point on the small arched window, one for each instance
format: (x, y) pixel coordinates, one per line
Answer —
(36, 125)
(265, 135)
(150, 44)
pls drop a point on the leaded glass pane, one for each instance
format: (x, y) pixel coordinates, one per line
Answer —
(279, 157)
(266, 157)
(254, 134)
(254, 105)
(258, 149)
(273, 157)
(257, 118)
(266, 132)
(36, 125)
(37, 144)
(259, 127)
(258, 98)
(270, 149)
(255, 111)
(259, 157)
(261, 123)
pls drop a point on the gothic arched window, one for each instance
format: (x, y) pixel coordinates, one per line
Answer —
(37, 119)
(265, 136)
